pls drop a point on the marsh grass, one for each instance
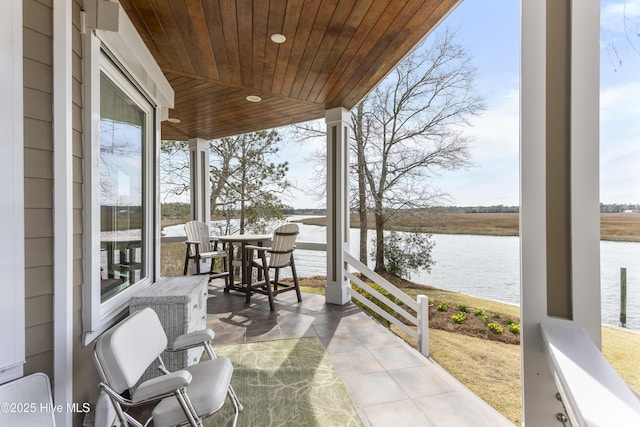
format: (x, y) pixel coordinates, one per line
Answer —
(613, 226)
(172, 259)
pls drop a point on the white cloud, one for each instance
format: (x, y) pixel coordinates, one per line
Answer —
(619, 144)
(493, 179)
(496, 131)
(615, 15)
(619, 103)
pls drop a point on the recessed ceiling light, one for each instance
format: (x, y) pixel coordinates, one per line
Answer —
(278, 38)
(253, 98)
(173, 120)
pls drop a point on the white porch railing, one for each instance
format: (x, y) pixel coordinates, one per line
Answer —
(592, 392)
(421, 306)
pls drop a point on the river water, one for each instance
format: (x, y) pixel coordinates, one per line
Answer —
(489, 267)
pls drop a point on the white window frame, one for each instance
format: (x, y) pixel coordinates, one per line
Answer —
(103, 312)
(128, 63)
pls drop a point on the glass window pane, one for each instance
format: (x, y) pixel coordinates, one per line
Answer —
(122, 190)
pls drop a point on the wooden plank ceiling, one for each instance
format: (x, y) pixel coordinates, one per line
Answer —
(215, 53)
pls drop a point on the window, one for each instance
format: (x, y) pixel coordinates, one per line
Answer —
(119, 189)
(122, 190)
(126, 95)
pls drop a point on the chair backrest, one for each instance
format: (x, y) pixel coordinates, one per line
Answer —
(282, 245)
(28, 402)
(198, 231)
(125, 351)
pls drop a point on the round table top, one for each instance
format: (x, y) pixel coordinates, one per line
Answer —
(246, 238)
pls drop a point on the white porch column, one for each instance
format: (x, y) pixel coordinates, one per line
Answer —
(63, 210)
(200, 193)
(559, 219)
(338, 123)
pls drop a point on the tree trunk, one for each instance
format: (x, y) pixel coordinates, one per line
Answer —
(362, 190)
(379, 268)
(243, 190)
(364, 228)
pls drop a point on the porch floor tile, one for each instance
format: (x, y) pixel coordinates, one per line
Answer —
(390, 382)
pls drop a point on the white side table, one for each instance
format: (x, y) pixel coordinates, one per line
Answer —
(181, 305)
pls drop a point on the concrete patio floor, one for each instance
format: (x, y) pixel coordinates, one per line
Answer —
(391, 383)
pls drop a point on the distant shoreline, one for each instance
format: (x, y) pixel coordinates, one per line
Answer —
(620, 227)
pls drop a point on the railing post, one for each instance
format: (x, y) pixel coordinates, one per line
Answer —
(423, 324)
(623, 296)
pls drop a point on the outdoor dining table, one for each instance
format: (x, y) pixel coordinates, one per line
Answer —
(241, 240)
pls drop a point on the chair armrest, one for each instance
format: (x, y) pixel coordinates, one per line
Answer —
(114, 394)
(161, 386)
(192, 339)
(193, 242)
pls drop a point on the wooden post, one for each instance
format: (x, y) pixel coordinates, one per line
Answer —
(623, 296)
(423, 324)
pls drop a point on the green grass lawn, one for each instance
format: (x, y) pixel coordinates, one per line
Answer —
(495, 376)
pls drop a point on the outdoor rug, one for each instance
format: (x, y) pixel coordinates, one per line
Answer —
(285, 383)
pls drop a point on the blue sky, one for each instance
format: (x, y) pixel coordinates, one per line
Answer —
(490, 31)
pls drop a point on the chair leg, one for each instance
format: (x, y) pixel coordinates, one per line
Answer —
(234, 398)
(247, 273)
(247, 298)
(225, 269)
(236, 405)
(211, 267)
(188, 409)
(268, 282)
(186, 263)
(295, 279)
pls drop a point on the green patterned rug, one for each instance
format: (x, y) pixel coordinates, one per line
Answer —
(286, 383)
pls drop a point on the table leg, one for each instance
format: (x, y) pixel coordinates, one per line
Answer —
(230, 267)
(247, 254)
(245, 273)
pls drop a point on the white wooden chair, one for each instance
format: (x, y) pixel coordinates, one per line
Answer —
(124, 352)
(278, 255)
(202, 247)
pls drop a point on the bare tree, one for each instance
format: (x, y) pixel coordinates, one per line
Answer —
(361, 125)
(411, 126)
(174, 168)
(620, 31)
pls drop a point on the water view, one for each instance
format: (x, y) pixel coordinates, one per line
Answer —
(488, 267)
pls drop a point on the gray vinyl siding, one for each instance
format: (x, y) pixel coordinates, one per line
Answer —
(38, 182)
(39, 199)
